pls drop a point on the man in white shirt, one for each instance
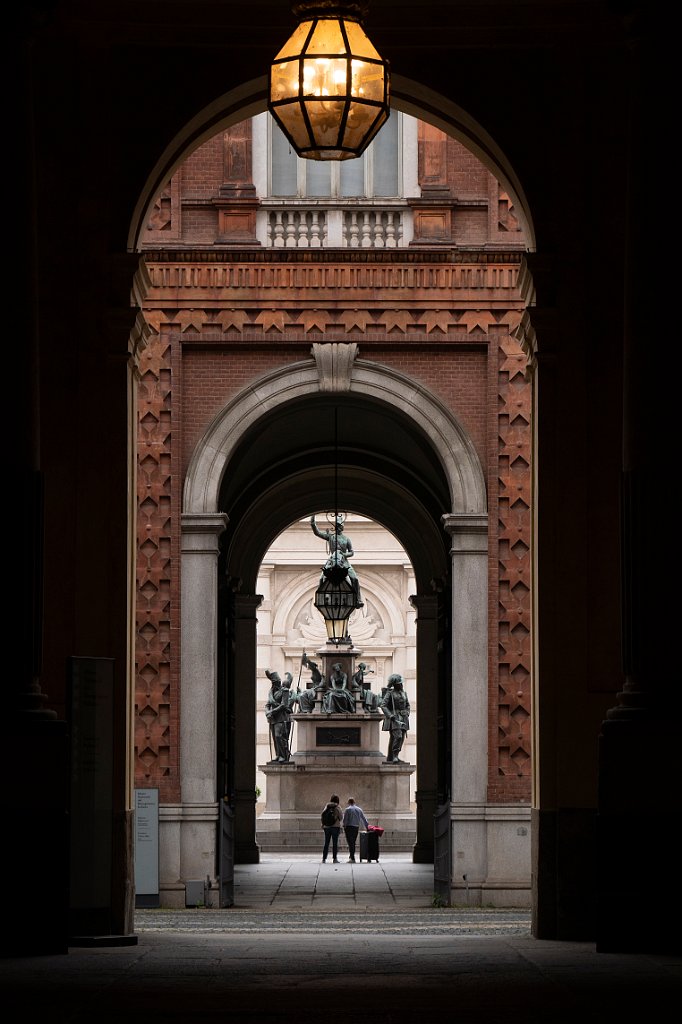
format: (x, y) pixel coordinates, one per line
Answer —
(353, 817)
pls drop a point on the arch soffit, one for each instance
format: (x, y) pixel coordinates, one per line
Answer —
(408, 96)
(450, 441)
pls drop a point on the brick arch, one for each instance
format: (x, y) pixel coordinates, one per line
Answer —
(408, 96)
(450, 441)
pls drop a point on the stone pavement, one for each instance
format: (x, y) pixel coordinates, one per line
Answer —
(306, 944)
(302, 881)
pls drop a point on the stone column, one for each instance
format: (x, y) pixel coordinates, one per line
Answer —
(469, 553)
(639, 791)
(427, 748)
(198, 689)
(246, 850)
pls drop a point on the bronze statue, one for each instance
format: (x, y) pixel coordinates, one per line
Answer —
(316, 677)
(278, 711)
(340, 549)
(338, 699)
(370, 701)
(396, 709)
(307, 698)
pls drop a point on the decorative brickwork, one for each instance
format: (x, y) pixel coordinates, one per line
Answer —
(155, 732)
(270, 300)
(514, 505)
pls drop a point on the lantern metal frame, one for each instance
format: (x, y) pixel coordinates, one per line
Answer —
(329, 102)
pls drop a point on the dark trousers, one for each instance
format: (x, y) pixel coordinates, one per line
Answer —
(331, 832)
(351, 838)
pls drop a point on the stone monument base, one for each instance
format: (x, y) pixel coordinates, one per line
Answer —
(336, 754)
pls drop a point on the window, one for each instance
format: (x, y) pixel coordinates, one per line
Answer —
(374, 175)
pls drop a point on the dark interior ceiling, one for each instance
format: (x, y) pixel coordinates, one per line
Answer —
(325, 451)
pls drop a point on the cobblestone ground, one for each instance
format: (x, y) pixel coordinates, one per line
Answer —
(443, 921)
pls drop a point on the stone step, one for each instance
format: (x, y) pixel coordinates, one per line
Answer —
(304, 841)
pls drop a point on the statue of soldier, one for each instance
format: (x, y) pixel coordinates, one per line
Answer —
(396, 710)
(278, 711)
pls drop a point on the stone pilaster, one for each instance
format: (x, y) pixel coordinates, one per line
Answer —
(426, 606)
(246, 850)
(469, 554)
(199, 633)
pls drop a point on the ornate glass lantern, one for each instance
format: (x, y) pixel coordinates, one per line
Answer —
(329, 86)
(335, 600)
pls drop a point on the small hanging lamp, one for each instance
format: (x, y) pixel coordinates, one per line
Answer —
(329, 86)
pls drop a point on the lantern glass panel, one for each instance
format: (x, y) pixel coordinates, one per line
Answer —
(290, 116)
(284, 81)
(358, 41)
(296, 41)
(325, 118)
(359, 121)
(324, 77)
(326, 38)
(368, 81)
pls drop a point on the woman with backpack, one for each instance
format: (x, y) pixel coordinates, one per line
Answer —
(332, 817)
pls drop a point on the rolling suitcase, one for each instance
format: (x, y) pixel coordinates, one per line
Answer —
(369, 846)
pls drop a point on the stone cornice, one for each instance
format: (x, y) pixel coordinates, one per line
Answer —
(342, 256)
(178, 284)
(336, 295)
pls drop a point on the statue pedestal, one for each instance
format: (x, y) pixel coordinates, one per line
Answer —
(335, 754)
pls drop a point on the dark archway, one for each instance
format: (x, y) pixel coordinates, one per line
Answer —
(306, 454)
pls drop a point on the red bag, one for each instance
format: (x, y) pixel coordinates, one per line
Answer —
(377, 829)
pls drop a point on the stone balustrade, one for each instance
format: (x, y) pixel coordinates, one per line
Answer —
(305, 228)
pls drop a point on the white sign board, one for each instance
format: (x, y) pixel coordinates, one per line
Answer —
(146, 847)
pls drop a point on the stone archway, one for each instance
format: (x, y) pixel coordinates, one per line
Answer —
(335, 368)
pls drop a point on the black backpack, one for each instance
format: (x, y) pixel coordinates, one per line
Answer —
(328, 816)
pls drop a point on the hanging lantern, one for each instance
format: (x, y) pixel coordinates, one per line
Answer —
(336, 600)
(329, 86)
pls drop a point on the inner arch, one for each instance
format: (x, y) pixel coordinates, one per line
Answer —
(439, 449)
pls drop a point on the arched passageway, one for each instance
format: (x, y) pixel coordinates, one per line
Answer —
(284, 443)
(290, 443)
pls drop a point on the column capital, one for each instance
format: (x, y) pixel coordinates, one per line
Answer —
(469, 533)
(246, 605)
(200, 531)
(426, 606)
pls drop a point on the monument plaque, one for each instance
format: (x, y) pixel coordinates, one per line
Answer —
(328, 737)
